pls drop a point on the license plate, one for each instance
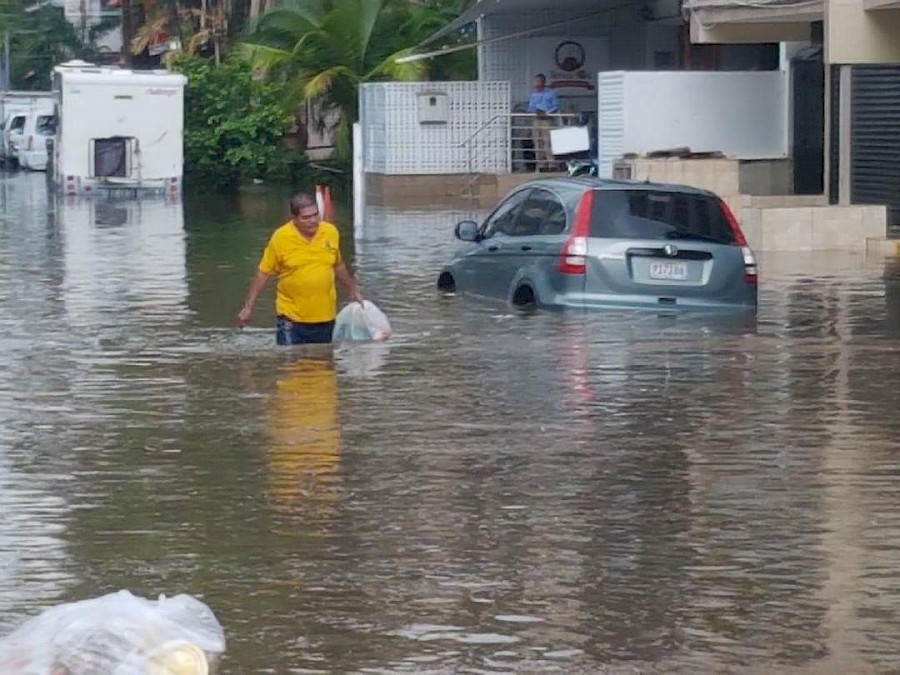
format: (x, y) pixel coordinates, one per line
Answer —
(669, 271)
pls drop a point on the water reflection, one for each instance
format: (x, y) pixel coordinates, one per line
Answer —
(303, 436)
(126, 255)
(34, 511)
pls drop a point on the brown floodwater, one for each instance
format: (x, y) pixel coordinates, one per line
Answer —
(488, 492)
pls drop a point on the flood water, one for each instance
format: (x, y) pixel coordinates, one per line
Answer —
(488, 492)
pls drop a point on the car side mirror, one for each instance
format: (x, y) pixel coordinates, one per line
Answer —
(467, 230)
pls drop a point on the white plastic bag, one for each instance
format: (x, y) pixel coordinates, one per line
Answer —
(361, 321)
(117, 634)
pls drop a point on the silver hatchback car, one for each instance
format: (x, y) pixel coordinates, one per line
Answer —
(588, 242)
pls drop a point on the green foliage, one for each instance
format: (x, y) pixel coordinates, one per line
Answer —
(40, 40)
(234, 124)
(427, 17)
(322, 50)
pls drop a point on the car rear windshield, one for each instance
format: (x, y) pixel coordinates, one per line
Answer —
(658, 214)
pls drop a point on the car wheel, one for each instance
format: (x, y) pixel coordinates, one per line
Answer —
(446, 283)
(524, 298)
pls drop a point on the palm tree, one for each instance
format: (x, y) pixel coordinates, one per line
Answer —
(322, 50)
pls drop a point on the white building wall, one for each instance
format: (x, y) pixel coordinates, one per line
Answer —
(396, 143)
(741, 114)
(613, 39)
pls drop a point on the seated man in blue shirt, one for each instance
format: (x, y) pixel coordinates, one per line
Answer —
(542, 103)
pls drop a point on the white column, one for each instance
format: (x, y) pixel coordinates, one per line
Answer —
(359, 183)
(845, 122)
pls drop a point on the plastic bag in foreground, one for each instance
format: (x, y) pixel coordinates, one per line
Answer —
(117, 634)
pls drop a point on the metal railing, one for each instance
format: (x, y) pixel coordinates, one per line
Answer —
(525, 137)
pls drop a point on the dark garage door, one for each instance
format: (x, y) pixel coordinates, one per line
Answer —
(875, 140)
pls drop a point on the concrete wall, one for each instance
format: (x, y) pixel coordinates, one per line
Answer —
(815, 228)
(766, 177)
(741, 114)
(482, 190)
(856, 31)
(854, 35)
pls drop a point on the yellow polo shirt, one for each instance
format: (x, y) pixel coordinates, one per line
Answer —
(305, 271)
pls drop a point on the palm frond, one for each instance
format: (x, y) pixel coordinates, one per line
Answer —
(262, 56)
(354, 22)
(405, 72)
(320, 84)
(146, 34)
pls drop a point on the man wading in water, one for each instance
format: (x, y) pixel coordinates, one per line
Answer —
(305, 255)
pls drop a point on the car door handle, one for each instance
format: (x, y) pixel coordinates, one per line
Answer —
(525, 247)
(493, 248)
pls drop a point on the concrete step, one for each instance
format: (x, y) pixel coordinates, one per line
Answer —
(878, 246)
(784, 201)
(814, 228)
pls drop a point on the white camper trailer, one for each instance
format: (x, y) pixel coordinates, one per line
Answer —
(118, 129)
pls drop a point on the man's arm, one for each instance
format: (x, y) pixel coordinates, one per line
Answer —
(256, 287)
(344, 276)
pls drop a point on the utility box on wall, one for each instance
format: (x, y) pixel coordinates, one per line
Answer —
(434, 107)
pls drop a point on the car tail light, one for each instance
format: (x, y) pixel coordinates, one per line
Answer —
(751, 271)
(576, 246)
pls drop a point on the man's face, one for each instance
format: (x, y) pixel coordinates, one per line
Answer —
(307, 220)
(539, 83)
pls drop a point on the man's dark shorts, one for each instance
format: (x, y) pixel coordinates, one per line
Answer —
(292, 333)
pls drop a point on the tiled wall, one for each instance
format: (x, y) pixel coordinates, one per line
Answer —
(396, 143)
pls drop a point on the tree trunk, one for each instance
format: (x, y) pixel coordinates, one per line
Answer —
(127, 32)
(175, 21)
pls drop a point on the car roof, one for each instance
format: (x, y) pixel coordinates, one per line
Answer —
(587, 182)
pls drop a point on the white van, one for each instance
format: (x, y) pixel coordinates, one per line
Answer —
(12, 136)
(32, 152)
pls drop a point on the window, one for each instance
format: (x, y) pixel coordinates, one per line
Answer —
(46, 125)
(501, 220)
(111, 157)
(657, 214)
(18, 123)
(541, 214)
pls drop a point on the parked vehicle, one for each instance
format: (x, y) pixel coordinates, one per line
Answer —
(588, 242)
(119, 130)
(582, 167)
(14, 109)
(33, 152)
(24, 101)
(13, 135)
